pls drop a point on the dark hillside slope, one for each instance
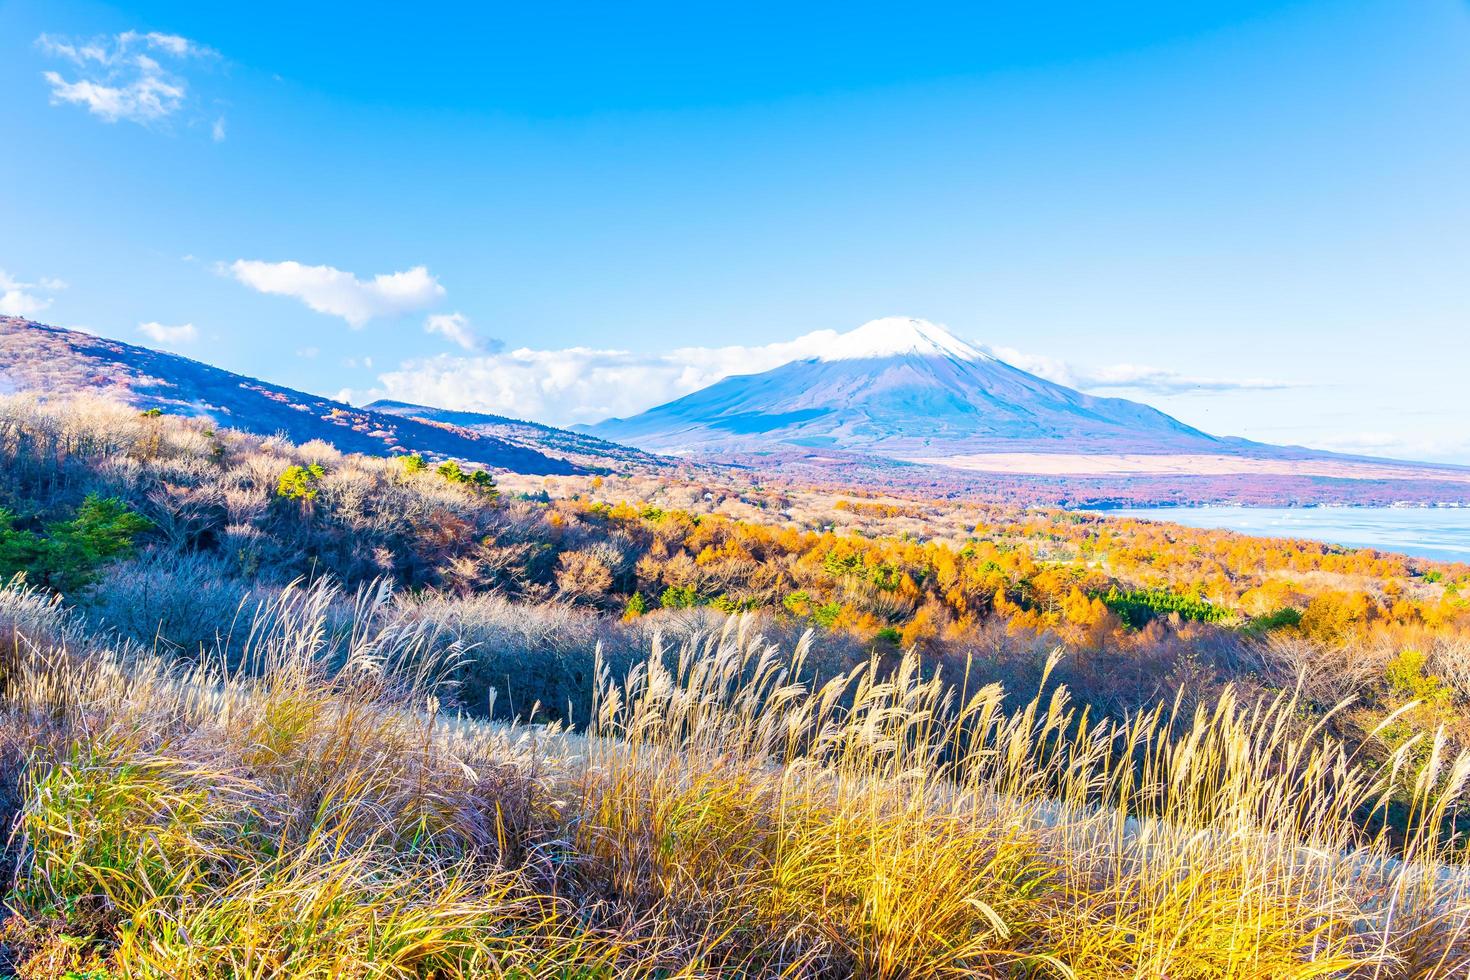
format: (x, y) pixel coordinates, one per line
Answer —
(53, 362)
(577, 447)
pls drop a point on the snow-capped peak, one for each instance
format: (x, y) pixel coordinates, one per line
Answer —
(895, 336)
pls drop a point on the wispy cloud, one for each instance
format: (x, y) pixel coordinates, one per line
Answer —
(1135, 377)
(26, 299)
(183, 333)
(133, 76)
(116, 49)
(338, 293)
(179, 47)
(1417, 445)
(580, 384)
(456, 327)
(583, 384)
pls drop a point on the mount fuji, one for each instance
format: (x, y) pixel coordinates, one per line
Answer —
(905, 388)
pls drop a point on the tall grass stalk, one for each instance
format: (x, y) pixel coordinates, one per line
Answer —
(300, 806)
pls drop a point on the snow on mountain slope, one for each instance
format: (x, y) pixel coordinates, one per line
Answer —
(903, 387)
(898, 336)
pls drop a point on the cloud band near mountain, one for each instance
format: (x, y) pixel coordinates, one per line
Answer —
(583, 385)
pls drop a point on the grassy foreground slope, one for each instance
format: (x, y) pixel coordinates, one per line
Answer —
(310, 814)
(155, 527)
(1246, 758)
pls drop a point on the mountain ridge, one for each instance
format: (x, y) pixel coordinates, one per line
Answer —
(50, 361)
(899, 387)
(575, 446)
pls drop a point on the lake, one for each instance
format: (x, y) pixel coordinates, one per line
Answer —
(1429, 532)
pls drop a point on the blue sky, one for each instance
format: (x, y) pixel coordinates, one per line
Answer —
(1255, 216)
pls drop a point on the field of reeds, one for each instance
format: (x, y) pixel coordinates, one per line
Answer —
(274, 711)
(298, 803)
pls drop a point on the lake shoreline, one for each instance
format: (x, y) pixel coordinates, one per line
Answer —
(1438, 533)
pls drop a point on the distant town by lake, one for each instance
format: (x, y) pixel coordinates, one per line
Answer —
(1442, 533)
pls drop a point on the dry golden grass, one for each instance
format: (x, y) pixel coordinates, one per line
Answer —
(310, 813)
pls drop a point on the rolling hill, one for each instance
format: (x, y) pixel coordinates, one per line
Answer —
(575, 447)
(897, 403)
(50, 361)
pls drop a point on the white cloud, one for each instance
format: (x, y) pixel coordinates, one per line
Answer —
(179, 47)
(115, 79)
(217, 131)
(183, 333)
(1416, 444)
(26, 299)
(108, 51)
(456, 327)
(1136, 377)
(582, 384)
(145, 99)
(338, 293)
